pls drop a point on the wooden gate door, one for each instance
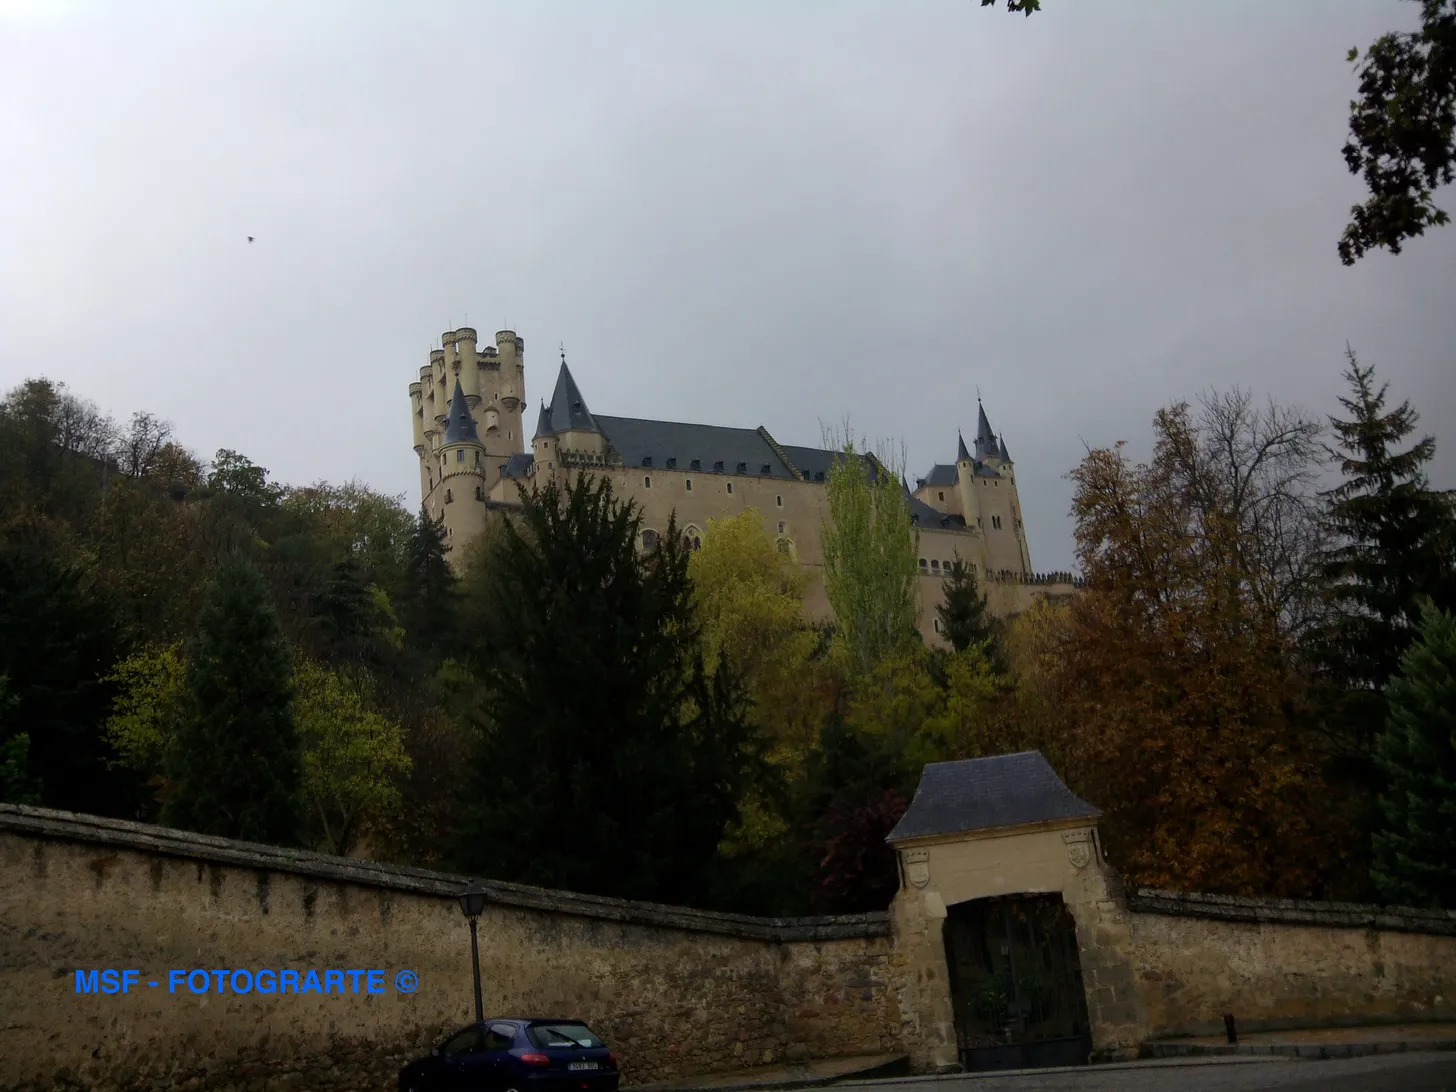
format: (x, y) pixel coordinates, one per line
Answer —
(1016, 983)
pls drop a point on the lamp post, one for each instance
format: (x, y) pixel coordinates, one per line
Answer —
(472, 902)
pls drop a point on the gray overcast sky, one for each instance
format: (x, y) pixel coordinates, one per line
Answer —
(742, 213)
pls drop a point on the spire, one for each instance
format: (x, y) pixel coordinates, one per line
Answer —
(986, 447)
(568, 408)
(543, 423)
(962, 455)
(1005, 455)
(460, 428)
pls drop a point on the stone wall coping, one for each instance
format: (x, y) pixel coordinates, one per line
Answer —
(1343, 915)
(68, 826)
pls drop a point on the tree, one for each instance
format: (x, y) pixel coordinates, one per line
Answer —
(235, 763)
(59, 640)
(16, 784)
(1402, 129)
(609, 759)
(963, 619)
(1394, 540)
(354, 756)
(870, 560)
(1414, 865)
(150, 703)
(1178, 669)
(430, 611)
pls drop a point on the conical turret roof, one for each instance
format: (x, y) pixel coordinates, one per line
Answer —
(460, 427)
(1005, 455)
(986, 446)
(568, 412)
(962, 455)
(543, 423)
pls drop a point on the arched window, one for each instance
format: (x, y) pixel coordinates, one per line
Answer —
(649, 539)
(647, 482)
(924, 565)
(782, 526)
(692, 538)
(934, 565)
(785, 546)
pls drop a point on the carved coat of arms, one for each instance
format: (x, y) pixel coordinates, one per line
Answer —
(917, 866)
(1079, 847)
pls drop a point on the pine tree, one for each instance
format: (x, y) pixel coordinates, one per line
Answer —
(608, 759)
(963, 618)
(1414, 863)
(430, 612)
(235, 763)
(1396, 542)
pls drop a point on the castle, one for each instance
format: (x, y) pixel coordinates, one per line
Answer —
(469, 434)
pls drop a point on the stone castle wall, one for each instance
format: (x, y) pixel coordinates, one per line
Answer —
(1287, 963)
(675, 992)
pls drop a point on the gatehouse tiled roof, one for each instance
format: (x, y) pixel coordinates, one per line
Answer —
(985, 793)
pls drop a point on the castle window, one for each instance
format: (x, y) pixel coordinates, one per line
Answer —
(924, 565)
(449, 496)
(819, 475)
(782, 526)
(996, 522)
(689, 483)
(730, 487)
(779, 501)
(743, 468)
(786, 547)
(479, 493)
(459, 454)
(941, 494)
(937, 625)
(767, 470)
(649, 539)
(647, 460)
(718, 467)
(696, 464)
(672, 464)
(934, 565)
(647, 483)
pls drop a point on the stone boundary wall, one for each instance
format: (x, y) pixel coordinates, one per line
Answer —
(676, 991)
(1287, 963)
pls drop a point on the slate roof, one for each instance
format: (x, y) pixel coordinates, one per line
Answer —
(962, 455)
(568, 410)
(986, 447)
(636, 439)
(986, 793)
(1005, 455)
(942, 474)
(518, 465)
(460, 426)
(543, 423)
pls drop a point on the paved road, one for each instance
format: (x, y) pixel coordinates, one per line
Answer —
(1416, 1072)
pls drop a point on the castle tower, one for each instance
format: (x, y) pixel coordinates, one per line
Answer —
(489, 384)
(458, 496)
(970, 503)
(991, 502)
(576, 439)
(543, 444)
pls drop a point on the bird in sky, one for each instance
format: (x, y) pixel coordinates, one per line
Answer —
(250, 238)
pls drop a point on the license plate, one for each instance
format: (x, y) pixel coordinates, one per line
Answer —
(578, 1066)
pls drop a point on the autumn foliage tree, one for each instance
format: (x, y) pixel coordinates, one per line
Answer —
(1177, 665)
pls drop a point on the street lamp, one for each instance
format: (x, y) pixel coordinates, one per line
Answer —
(472, 902)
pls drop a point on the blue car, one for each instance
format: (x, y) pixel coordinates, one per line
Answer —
(516, 1055)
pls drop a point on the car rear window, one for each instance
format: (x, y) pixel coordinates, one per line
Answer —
(562, 1035)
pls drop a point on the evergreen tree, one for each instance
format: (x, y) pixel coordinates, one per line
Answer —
(963, 618)
(59, 640)
(430, 612)
(609, 760)
(1414, 864)
(235, 763)
(1395, 542)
